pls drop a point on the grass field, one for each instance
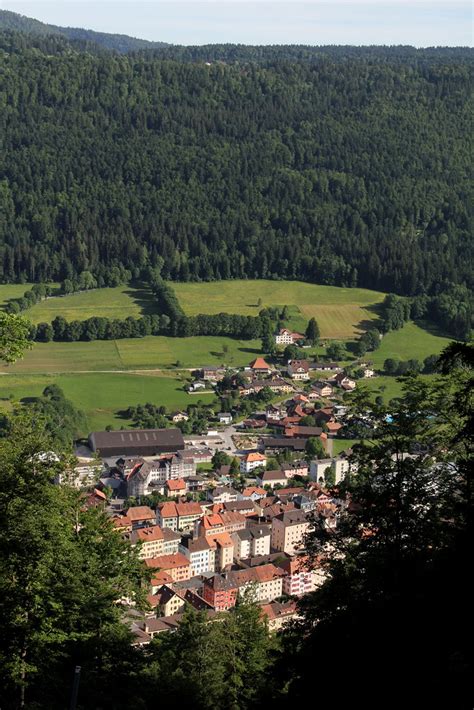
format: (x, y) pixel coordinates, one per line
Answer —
(102, 395)
(340, 312)
(134, 353)
(119, 302)
(9, 291)
(410, 342)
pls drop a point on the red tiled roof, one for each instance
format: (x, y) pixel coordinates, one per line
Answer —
(167, 562)
(188, 509)
(259, 364)
(140, 512)
(176, 484)
(149, 534)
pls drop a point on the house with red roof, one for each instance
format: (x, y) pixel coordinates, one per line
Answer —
(260, 366)
(252, 460)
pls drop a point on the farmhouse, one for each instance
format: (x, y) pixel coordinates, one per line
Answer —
(260, 366)
(286, 337)
(298, 369)
(136, 442)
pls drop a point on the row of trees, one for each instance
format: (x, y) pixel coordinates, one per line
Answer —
(101, 328)
(35, 294)
(392, 366)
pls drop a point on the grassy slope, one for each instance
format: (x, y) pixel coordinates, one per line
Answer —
(119, 302)
(102, 395)
(410, 342)
(340, 312)
(134, 353)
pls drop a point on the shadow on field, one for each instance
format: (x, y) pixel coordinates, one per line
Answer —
(144, 300)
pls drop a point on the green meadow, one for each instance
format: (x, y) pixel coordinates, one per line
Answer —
(151, 352)
(340, 312)
(101, 396)
(410, 342)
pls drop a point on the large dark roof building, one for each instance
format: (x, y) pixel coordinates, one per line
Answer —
(136, 442)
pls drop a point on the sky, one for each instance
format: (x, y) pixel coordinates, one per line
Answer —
(421, 23)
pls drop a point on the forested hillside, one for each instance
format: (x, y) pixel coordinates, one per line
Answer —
(351, 169)
(119, 43)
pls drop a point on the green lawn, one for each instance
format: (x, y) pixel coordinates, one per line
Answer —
(340, 312)
(134, 354)
(342, 445)
(102, 395)
(9, 291)
(410, 342)
(119, 302)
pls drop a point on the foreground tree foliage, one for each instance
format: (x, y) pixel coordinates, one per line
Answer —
(394, 612)
(222, 664)
(63, 570)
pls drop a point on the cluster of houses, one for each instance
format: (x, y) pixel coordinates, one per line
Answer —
(242, 534)
(238, 541)
(245, 535)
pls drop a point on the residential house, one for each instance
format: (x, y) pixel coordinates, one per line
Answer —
(171, 540)
(196, 483)
(302, 576)
(140, 516)
(298, 370)
(150, 540)
(286, 337)
(177, 566)
(178, 516)
(295, 468)
(168, 601)
(224, 418)
(277, 385)
(326, 366)
(345, 382)
(222, 494)
(304, 503)
(318, 468)
(199, 553)
(148, 476)
(175, 487)
(272, 478)
(253, 541)
(266, 581)
(252, 460)
(211, 372)
(218, 523)
(244, 507)
(259, 366)
(289, 530)
(279, 614)
(219, 592)
(179, 417)
(252, 493)
(322, 388)
(222, 546)
(275, 413)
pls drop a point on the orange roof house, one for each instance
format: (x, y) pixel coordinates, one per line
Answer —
(260, 365)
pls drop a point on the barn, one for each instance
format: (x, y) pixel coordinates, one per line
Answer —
(136, 442)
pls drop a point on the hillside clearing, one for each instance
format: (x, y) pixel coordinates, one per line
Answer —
(340, 312)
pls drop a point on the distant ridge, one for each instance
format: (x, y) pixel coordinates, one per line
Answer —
(116, 42)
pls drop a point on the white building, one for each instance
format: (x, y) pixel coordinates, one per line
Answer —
(286, 337)
(251, 461)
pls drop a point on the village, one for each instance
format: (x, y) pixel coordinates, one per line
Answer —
(227, 512)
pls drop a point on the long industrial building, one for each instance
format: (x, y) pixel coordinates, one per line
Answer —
(136, 442)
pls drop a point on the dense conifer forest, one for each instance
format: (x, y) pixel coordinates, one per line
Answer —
(349, 169)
